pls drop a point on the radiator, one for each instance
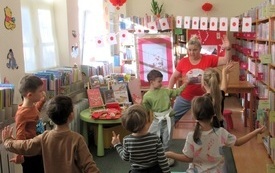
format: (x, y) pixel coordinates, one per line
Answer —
(78, 107)
(5, 165)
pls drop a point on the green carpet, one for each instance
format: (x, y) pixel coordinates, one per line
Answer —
(112, 163)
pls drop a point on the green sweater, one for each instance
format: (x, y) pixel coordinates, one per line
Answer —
(159, 100)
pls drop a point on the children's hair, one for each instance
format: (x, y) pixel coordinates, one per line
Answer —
(202, 110)
(134, 118)
(29, 83)
(59, 109)
(211, 78)
(194, 40)
(153, 74)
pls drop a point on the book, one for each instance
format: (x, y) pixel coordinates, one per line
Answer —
(134, 88)
(108, 96)
(95, 98)
(120, 92)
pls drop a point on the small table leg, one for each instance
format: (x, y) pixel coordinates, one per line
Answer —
(85, 132)
(100, 142)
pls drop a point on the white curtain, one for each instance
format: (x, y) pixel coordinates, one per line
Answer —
(39, 41)
(94, 22)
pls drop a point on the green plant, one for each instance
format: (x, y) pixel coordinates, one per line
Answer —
(156, 8)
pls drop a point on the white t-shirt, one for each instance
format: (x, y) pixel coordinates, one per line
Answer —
(208, 156)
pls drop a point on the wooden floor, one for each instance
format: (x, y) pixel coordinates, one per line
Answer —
(250, 157)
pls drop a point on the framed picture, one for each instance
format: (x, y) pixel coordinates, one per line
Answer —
(154, 51)
(211, 41)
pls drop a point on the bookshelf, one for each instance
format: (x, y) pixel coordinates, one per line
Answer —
(256, 53)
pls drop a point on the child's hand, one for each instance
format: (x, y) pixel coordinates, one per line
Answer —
(7, 133)
(227, 68)
(261, 129)
(168, 154)
(18, 159)
(44, 96)
(115, 138)
(137, 99)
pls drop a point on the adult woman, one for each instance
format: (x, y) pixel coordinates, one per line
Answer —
(191, 69)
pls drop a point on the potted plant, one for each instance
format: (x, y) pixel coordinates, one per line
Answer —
(156, 8)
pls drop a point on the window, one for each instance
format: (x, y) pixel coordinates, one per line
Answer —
(93, 16)
(39, 44)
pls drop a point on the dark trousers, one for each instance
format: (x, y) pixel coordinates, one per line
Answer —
(154, 169)
(33, 164)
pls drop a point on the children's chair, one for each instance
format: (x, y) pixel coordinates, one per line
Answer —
(228, 119)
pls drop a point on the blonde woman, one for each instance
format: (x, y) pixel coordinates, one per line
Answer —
(192, 67)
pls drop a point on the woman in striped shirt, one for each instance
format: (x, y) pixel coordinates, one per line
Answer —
(142, 149)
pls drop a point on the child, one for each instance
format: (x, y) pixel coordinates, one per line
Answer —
(216, 88)
(27, 118)
(158, 100)
(62, 149)
(203, 146)
(142, 149)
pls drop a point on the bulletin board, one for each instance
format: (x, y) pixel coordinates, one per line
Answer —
(154, 51)
(211, 41)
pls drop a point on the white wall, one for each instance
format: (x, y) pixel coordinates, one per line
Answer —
(221, 8)
(11, 39)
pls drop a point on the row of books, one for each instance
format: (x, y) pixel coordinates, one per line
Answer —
(7, 108)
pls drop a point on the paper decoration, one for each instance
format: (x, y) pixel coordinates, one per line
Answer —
(187, 22)
(112, 38)
(264, 104)
(234, 24)
(163, 24)
(152, 26)
(272, 116)
(139, 29)
(99, 41)
(179, 22)
(123, 35)
(246, 24)
(223, 24)
(195, 22)
(204, 23)
(213, 24)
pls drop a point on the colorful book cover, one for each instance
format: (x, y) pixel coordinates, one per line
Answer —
(120, 92)
(109, 96)
(95, 98)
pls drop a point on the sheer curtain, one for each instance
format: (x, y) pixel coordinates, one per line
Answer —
(93, 17)
(40, 45)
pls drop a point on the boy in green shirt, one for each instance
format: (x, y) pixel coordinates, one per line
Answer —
(158, 100)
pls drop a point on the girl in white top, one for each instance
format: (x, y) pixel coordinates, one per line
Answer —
(203, 146)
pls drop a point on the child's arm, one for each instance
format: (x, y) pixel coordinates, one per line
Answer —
(41, 102)
(225, 71)
(242, 140)
(177, 91)
(180, 157)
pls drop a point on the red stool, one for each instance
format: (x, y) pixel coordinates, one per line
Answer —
(228, 119)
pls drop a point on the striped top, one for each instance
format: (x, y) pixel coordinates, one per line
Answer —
(143, 152)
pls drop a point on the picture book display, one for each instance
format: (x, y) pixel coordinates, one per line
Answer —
(108, 96)
(120, 92)
(95, 98)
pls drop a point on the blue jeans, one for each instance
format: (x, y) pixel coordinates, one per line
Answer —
(181, 106)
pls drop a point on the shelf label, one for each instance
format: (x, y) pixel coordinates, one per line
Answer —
(266, 58)
(270, 10)
(264, 104)
(256, 55)
(272, 116)
(272, 143)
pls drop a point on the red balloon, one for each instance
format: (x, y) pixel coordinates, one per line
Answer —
(207, 6)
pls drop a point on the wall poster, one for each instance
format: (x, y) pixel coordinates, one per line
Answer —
(154, 51)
